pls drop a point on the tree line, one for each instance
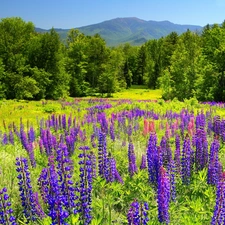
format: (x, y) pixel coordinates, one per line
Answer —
(40, 66)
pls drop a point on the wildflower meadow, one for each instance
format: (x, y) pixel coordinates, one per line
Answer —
(112, 161)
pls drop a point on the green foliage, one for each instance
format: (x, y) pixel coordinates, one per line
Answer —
(38, 65)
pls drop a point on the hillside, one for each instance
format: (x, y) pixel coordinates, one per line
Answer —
(133, 30)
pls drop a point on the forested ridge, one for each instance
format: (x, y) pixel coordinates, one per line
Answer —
(39, 66)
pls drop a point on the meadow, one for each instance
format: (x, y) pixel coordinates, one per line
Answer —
(121, 160)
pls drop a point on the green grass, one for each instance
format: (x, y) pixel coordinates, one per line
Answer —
(138, 92)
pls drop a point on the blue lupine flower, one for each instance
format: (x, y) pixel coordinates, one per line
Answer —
(171, 174)
(25, 188)
(6, 212)
(163, 196)
(102, 156)
(154, 159)
(143, 162)
(143, 213)
(186, 161)
(112, 132)
(67, 190)
(201, 153)
(85, 187)
(219, 210)
(5, 139)
(214, 166)
(137, 214)
(177, 154)
(31, 135)
(56, 200)
(11, 137)
(133, 216)
(132, 167)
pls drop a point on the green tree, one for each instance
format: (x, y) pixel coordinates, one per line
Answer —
(138, 77)
(76, 63)
(2, 85)
(213, 39)
(184, 65)
(98, 55)
(154, 62)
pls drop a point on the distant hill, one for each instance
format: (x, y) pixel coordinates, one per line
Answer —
(133, 30)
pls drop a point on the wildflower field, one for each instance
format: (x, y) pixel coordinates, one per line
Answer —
(112, 161)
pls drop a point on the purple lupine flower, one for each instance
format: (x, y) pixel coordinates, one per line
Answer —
(30, 150)
(112, 132)
(219, 210)
(64, 121)
(166, 151)
(85, 187)
(70, 142)
(93, 164)
(143, 162)
(133, 216)
(69, 121)
(143, 213)
(200, 121)
(101, 118)
(38, 208)
(23, 137)
(112, 170)
(57, 212)
(163, 196)
(171, 173)
(67, 190)
(44, 184)
(25, 188)
(177, 154)
(48, 140)
(41, 146)
(11, 137)
(154, 159)
(132, 167)
(5, 139)
(129, 130)
(31, 135)
(137, 213)
(102, 156)
(216, 125)
(93, 140)
(118, 177)
(182, 129)
(201, 153)
(214, 167)
(186, 161)
(6, 212)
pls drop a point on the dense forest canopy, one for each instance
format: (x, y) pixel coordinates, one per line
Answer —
(39, 66)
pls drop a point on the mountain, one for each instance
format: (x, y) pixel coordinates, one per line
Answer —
(133, 30)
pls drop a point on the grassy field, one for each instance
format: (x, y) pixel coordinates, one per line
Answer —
(138, 92)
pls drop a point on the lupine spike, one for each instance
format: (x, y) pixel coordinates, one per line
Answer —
(214, 166)
(132, 168)
(186, 161)
(143, 162)
(137, 214)
(163, 196)
(219, 211)
(25, 188)
(6, 212)
(85, 188)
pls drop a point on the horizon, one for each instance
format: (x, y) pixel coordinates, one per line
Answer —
(117, 18)
(75, 13)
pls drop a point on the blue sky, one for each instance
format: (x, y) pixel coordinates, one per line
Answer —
(75, 13)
